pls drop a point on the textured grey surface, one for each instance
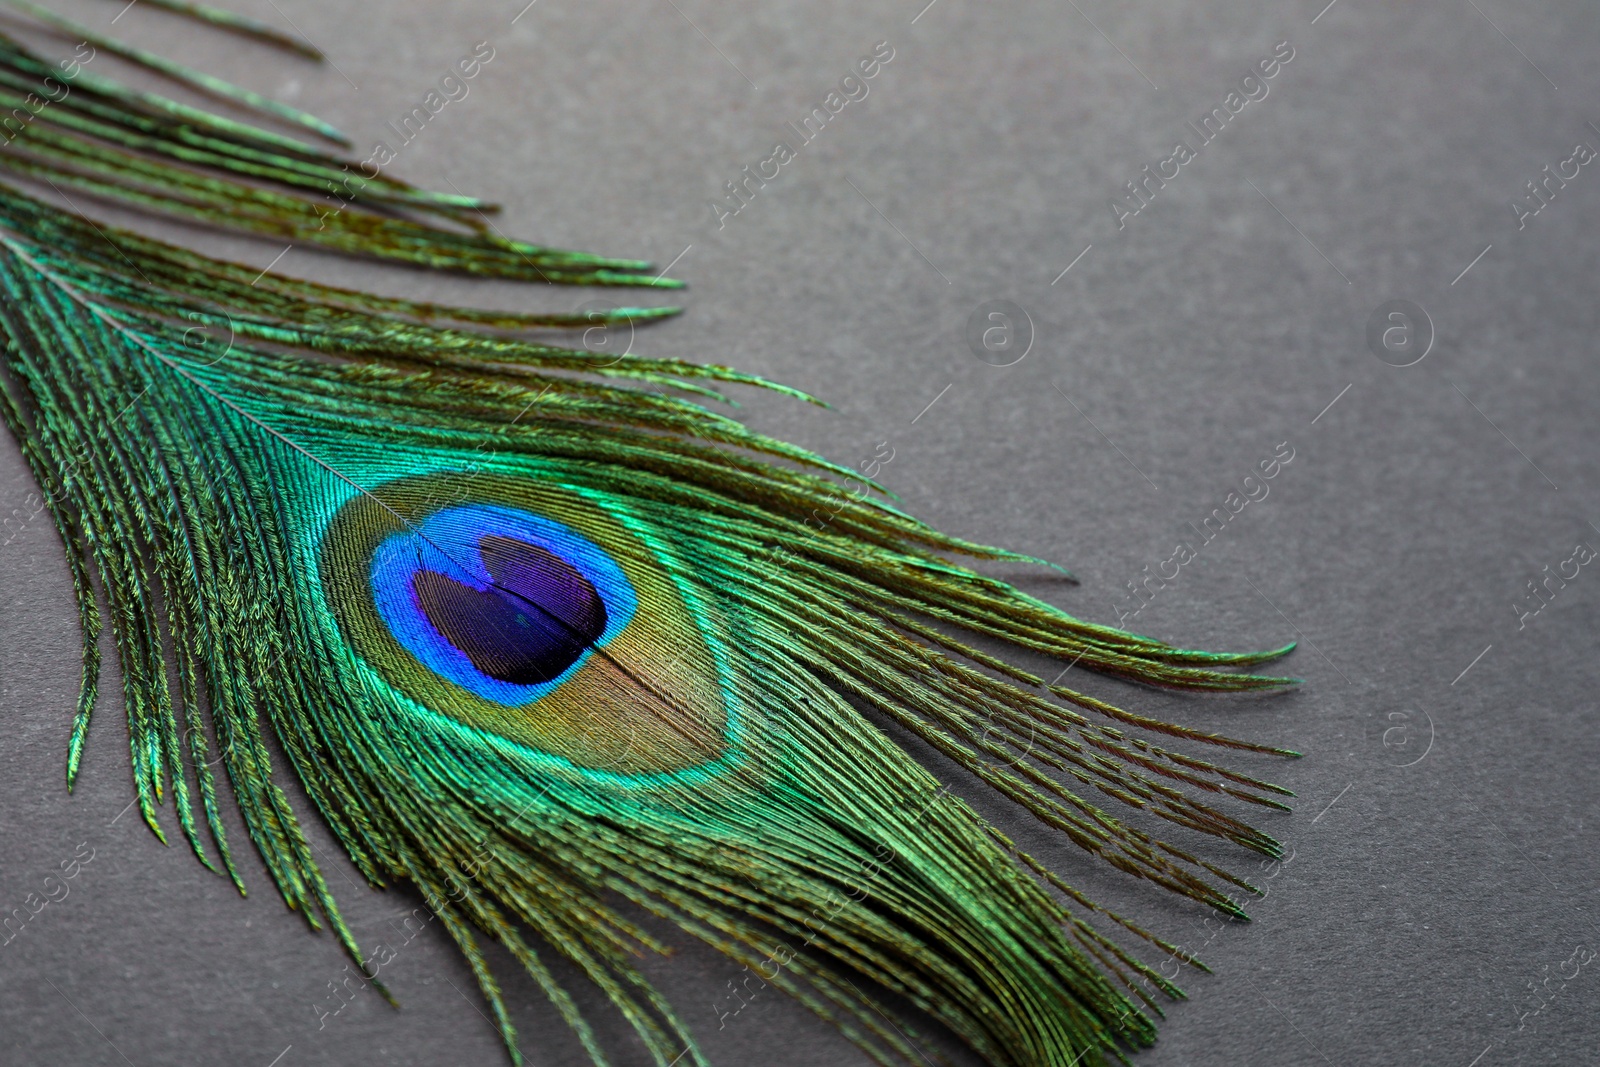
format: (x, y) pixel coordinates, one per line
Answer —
(1429, 908)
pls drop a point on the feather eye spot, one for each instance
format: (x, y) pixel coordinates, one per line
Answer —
(527, 611)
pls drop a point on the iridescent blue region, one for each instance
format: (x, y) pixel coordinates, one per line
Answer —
(505, 603)
(532, 624)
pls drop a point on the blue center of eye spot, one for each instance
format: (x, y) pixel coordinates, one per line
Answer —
(530, 626)
(502, 602)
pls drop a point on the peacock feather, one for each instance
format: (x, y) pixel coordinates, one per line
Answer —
(548, 636)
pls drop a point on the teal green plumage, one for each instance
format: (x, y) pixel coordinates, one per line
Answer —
(548, 637)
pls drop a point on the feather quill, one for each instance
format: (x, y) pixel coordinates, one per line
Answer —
(547, 636)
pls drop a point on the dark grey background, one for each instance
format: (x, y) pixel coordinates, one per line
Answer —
(1425, 904)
